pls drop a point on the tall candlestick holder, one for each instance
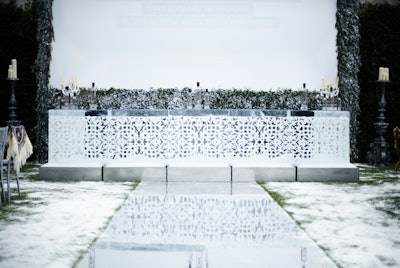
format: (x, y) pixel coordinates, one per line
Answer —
(12, 121)
(379, 153)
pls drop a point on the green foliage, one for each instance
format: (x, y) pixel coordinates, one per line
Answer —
(348, 55)
(219, 99)
(45, 95)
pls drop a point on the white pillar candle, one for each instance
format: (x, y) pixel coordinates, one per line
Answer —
(14, 68)
(380, 75)
(10, 73)
(75, 82)
(383, 74)
(387, 74)
(337, 82)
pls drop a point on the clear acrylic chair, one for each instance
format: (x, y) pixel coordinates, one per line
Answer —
(7, 164)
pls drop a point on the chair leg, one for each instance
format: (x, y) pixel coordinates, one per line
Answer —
(3, 193)
(16, 178)
(3, 196)
(8, 181)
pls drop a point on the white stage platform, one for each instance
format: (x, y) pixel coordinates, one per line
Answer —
(199, 145)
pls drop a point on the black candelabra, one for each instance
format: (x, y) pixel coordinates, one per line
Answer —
(379, 153)
(12, 121)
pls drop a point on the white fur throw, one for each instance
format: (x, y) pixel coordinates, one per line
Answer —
(19, 146)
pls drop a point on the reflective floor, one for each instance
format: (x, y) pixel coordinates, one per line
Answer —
(211, 224)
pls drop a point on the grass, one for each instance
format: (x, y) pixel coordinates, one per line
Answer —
(84, 252)
(17, 213)
(370, 177)
(389, 205)
(380, 184)
(280, 199)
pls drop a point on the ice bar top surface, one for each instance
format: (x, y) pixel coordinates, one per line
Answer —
(199, 112)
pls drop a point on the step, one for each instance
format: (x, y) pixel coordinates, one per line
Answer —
(263, 171)
(198, 171)
(78, 171)
(328, 172)
(135, 171)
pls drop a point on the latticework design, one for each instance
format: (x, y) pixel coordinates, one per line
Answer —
(225, 138)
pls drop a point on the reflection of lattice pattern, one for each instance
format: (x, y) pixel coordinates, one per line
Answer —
(200, 219)
(298, 139)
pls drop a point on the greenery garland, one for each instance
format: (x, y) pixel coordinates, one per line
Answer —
(177, 99)
(45, 95)
(348, 55)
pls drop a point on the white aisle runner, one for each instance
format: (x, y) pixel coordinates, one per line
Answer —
(201, 225)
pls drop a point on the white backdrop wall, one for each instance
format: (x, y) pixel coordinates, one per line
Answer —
(256, 44)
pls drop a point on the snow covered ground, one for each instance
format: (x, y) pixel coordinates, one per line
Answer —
(55, 222)
(357, 224)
